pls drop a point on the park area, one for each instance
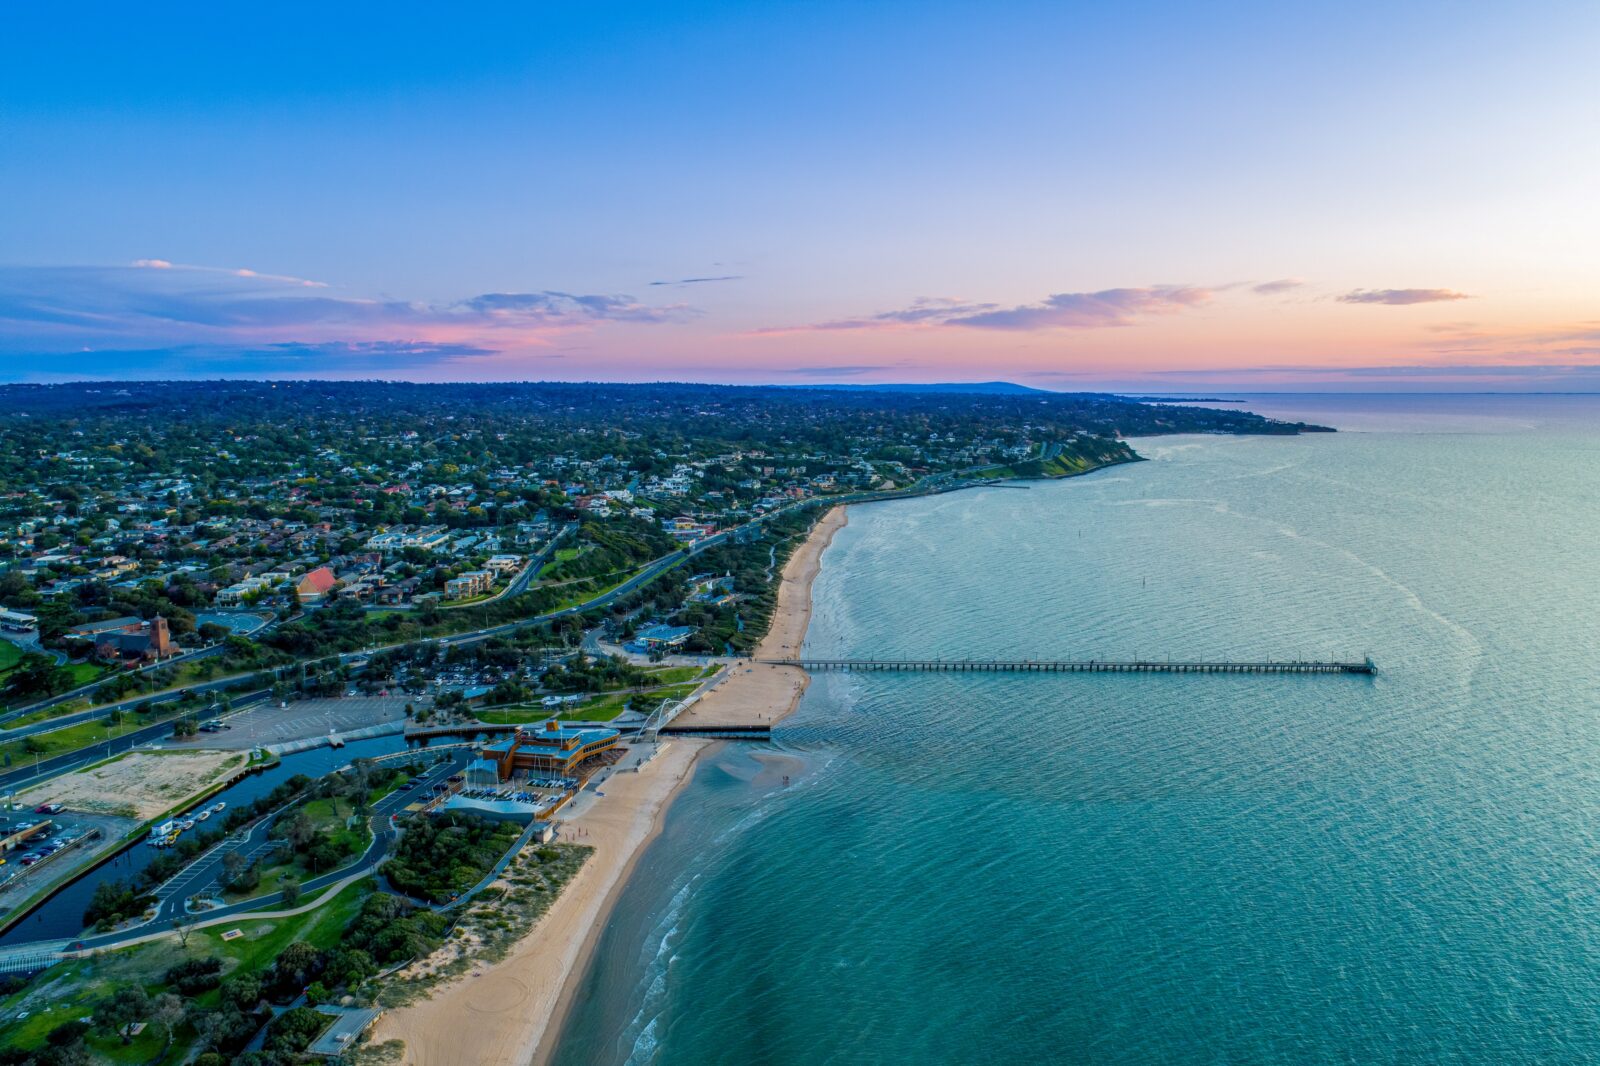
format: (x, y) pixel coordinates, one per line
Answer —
(669, 683)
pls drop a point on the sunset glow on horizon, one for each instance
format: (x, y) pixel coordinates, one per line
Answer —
(1140, 197)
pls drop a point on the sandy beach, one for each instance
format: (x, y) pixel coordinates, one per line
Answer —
(509, 1013)
(757, 694)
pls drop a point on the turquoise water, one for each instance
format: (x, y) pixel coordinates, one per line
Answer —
(1148, 869)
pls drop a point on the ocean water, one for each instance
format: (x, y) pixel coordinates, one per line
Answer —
(1152, 869)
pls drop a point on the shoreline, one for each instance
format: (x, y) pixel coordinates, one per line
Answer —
(755, 693)
(514, 1011)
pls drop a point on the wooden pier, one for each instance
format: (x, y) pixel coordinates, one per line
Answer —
(1085, 666)
(719, 732)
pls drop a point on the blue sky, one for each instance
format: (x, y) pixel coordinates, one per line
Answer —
(843, 168)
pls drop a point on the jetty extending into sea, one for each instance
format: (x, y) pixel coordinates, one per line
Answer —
(1089, 666)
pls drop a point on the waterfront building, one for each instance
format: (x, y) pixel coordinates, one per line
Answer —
(662, 637)
(551, 750)
(482, 773)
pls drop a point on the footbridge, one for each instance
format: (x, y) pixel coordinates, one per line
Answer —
(1089, 666)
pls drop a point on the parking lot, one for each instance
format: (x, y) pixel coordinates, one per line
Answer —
(19, 881)
(269, 723)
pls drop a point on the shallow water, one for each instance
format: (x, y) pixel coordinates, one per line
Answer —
(1135, 868)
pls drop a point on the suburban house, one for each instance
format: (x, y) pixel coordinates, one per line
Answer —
(315, 586)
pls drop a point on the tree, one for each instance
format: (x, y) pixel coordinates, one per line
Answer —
(242, 991)
(36, 674)
(299, 830)
(166, 1010)
(297, 963)
(182, 928)
(291, 892)
(118, 1011)
(68, 1034)
(293, 1030)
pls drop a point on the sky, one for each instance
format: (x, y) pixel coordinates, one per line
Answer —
(1133, 196)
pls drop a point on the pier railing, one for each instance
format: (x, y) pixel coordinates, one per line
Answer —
(1088, 666)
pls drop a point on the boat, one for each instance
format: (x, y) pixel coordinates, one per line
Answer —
(186, 824)
(219, 808)
(203, 815)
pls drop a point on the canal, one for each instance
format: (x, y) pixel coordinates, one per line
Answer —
(61, 916)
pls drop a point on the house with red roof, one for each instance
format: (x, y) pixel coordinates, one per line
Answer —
(315, 585)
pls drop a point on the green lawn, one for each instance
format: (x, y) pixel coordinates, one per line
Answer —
(328, 815)
(70, 990)
(601, 708)
(672, 675)
(584, 597)
(83, 673)
(380, 793)
(57, 741)
(79, 673)
(563, 555)
(265, 938)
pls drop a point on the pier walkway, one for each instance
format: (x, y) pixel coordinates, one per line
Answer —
(1086, 666)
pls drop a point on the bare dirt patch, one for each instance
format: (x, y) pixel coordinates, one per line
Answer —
(140, 784)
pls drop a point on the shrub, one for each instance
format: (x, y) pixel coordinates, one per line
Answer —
(195, 976)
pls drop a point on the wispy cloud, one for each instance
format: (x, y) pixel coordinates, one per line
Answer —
(1062, 310)
(700, 281)
(238, 272)
(1402, 297)
(1090, 310)
(170, 307)
(564, 307)
(290, 360)
(846, 371)
(1278, 287)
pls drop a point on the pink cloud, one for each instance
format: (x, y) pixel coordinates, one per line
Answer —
(1063, 310)
(1401, 297)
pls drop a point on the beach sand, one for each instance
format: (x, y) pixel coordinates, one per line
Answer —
(756, 694)
(498, 1014)
(510, 1013)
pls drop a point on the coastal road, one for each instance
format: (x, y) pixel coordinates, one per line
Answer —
(85, 690)
(647, 574)
(23, 776)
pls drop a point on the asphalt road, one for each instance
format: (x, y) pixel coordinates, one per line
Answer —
(207, 869)
(651, 571)
(23, 775)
